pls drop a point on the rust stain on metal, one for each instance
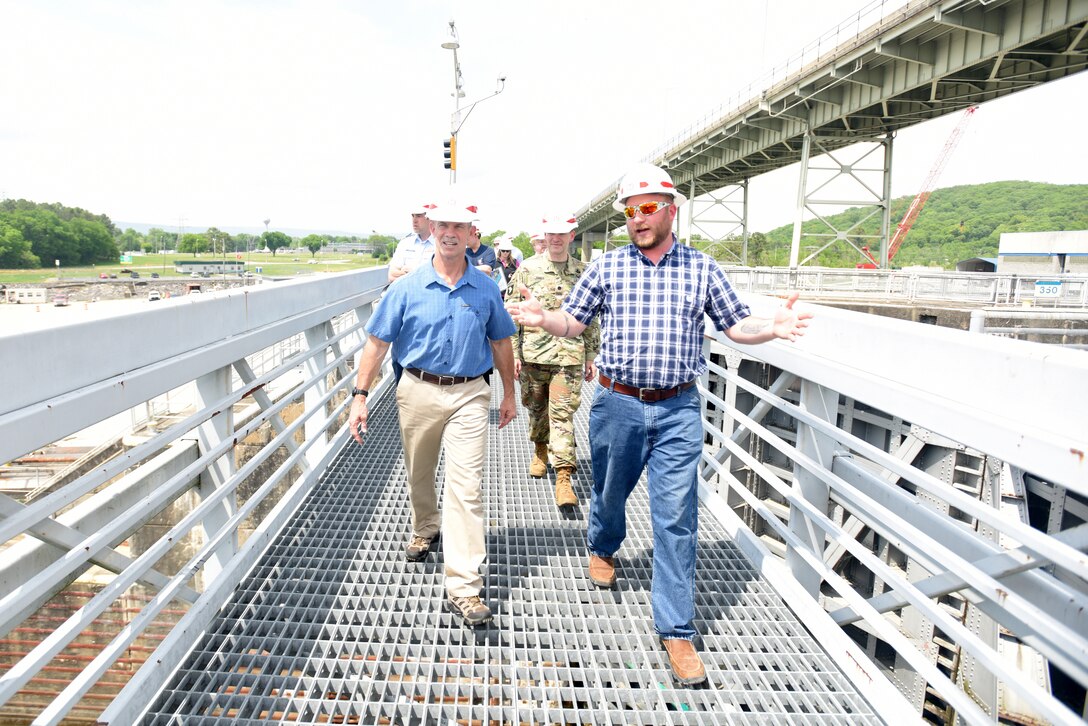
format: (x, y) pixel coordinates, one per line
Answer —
(251, 391)
(859, 666)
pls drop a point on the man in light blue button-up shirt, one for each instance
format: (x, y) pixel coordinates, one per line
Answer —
(416, 249)
(448, 328)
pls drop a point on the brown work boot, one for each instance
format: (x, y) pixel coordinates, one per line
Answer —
(602, 571)
(686, 665)
(470, 608)
(539, 465)
(564, 492)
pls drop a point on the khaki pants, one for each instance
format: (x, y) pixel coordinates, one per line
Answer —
(454, 418)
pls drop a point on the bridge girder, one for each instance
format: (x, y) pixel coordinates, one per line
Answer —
(921, 63)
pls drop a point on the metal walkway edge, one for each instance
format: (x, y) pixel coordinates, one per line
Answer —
(334, 627)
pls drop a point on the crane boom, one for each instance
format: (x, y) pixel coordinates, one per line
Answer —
(922, 197)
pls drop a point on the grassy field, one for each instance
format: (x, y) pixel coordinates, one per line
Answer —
(284, 262)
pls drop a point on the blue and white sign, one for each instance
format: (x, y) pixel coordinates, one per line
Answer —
(1050, 289)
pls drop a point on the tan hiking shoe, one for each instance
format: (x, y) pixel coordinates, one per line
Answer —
(564, 492)
(686, 665)
(418, 547)
(602, 571)
(539, 465)
(471, 609)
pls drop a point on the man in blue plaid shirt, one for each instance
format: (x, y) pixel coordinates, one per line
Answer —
(652, 296)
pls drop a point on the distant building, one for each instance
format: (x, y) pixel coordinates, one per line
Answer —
(211, 267)
(977, 264)
(1042, 253)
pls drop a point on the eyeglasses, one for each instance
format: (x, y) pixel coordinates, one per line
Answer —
(645, 209)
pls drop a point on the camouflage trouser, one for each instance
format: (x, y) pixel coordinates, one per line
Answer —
(552, 394)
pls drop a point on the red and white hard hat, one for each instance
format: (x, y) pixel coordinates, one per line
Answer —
(454, 210)
(646, 179)
(558, 223)
(423, 208)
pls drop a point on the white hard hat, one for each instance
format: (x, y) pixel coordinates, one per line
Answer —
(559, 223)
(646, 179)
(454, 210)
(505, 243)
(424, 208)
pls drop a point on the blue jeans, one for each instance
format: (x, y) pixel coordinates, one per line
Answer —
(627, 436)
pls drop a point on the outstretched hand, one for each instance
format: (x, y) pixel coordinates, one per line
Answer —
(528, 311)
(790, 324)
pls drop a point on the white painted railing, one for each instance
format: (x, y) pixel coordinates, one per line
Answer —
(911, 286)
(891, 466)
(837, 462)
(271, 345)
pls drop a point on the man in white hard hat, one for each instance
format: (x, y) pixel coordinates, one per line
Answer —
(447, 327)
(549, 368)
(537, 241)
(416, 248)
(652, 295)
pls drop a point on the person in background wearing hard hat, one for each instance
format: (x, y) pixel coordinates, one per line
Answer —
(507, 263)
(652, 295)
(551, 369)
(447, 326)
(415, 249)
(537, 241)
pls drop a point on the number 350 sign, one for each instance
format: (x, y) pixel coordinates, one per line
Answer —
(1049, 289)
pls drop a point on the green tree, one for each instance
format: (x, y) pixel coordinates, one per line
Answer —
(158, 240)
(523, 243)
(275, 241)
(314, 242)
(382, 244)
(48, 236)
(217, 241)
(130, 240)
(15, 251)
(92, 239)
(243, 242)
(192, 243)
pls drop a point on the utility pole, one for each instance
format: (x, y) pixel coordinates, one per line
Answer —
(456, 120)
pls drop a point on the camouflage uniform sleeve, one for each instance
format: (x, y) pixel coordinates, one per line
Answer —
(591, 338)
(513, 295)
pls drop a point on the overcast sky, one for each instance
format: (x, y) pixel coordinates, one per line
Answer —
(329, 115)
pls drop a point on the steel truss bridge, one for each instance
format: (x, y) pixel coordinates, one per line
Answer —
(886, 68)
(892, 523)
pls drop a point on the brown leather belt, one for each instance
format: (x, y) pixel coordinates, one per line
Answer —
(440, 380)
(646, 395)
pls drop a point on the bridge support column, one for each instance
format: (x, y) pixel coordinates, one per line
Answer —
(845, 177)
(802, 185)
(210, 388)
(588, 240)
(823, 403)
(718, 216)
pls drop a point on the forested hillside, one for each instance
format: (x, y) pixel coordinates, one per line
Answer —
(956, 223)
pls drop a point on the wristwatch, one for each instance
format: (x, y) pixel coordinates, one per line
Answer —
(359, 392)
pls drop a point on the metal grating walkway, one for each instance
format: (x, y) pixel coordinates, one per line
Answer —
(334, 627)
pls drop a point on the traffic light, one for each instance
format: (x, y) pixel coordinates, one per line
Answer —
(449, 153)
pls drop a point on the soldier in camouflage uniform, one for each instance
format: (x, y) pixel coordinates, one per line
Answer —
(551, 369)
